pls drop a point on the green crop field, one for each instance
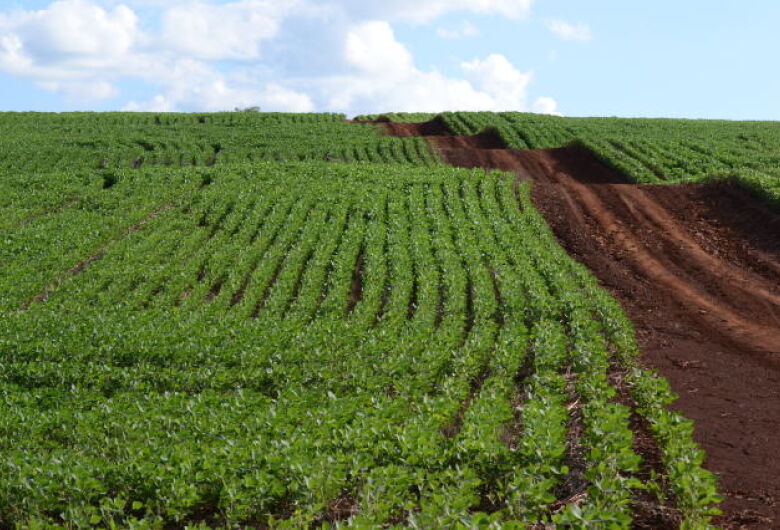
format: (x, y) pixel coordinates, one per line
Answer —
(291, 321)
(39, 142)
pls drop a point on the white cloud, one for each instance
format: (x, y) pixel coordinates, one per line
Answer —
(297, 55)
(392, 82)
(82, 92)
(545, 105)
(158, 103)
(570, 32)
(390, 10)
(424, 11)
(73, 48)
(219, 95)
(496, 76)
(73, 32)
(415, 91)
(78, 49)
(228, 31)
(371, 47)
(194, 85)
(467, 29)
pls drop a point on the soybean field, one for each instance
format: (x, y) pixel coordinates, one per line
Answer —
(292, 321)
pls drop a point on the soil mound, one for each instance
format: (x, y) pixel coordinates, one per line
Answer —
(487, 139)
(435, 127)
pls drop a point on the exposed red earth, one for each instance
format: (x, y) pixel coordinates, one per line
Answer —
(697, 269)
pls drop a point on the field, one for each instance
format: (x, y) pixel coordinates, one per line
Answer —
(279, 320)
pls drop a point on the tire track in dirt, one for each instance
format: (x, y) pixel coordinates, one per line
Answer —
(697, 269)
(676, 273)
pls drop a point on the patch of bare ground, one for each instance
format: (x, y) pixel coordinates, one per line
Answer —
(356, 288)
(573, 487)
(339, 510)
(215, 290)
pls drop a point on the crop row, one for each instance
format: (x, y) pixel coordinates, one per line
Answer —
(400, 117)
(307, 343)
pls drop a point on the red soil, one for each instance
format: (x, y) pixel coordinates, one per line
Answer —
(697, 269)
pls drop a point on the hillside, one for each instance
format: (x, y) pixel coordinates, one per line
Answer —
(695, 265)
(294, 320)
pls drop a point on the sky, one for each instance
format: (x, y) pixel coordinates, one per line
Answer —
(665, 58)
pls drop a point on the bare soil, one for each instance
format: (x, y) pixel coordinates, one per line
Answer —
(697, 269)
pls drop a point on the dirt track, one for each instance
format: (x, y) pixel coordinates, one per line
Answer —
(697, 268)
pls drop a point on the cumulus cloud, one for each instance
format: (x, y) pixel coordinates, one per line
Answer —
(69, 34)
(79, 49)
(392, 81)
(194, 85)
(390, 10)
(507, 86)
(371, 47)
(158, 103)
(421, 12)
(545, 105)
(73, 47)
(496, 76)
(570, 32)
(467, 29)
(77, 30)
(228, 31)
(297, 55)
(218, 95)
(82, 92)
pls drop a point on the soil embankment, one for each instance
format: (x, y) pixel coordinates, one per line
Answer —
(697, 268)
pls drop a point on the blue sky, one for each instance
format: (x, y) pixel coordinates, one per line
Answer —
(690, 59)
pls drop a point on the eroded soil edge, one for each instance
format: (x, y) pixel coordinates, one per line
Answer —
(697, 269)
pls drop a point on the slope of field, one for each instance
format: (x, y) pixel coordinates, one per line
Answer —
(300, 344)
(697, 267)
(42, 142)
